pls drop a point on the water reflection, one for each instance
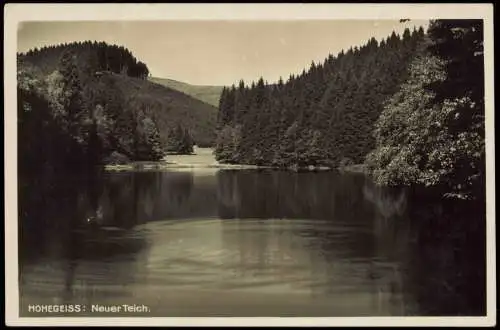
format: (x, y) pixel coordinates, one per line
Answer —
(326, 243)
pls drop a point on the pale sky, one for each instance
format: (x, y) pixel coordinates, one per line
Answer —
(219, 52)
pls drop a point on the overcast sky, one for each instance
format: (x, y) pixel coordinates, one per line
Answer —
(219, 52)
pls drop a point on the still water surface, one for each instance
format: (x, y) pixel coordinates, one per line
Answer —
(248, 243)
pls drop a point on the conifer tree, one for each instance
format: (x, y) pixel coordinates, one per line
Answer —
(320, 116)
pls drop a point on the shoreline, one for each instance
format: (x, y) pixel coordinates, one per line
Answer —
(203, 158)
(166, 165)
(163, 165)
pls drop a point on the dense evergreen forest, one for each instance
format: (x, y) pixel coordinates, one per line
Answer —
(409, 107)
(91, 57)
(84, 104)
(323, 116)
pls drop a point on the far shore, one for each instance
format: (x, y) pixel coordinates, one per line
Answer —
(203, 158)
(166, 165)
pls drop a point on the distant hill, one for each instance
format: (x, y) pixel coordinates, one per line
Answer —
(207, 94)
(170, 107)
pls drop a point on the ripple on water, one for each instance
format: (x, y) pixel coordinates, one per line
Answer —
(239, 254)
(272, 256)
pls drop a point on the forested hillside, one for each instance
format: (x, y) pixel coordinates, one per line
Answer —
(170, 108)
(410, 108)
(324, 116)
(79, 107)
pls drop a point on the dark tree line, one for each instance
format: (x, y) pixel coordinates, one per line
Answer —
(70, 120)
(92, 56)
(323, 116)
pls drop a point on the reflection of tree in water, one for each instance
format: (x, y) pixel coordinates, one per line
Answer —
(409, 250)
(228, 196)
(179, 197)
(105, 207)
(282, 194)
(51, 207)
(447, 261)
(61, 218)
(389, 223)
(437, 247)
(128, 198)
(180, 186)
(430, 250)
(123, 192)
(135, 198)
(391, 238)
(389, 202)
(293, 197)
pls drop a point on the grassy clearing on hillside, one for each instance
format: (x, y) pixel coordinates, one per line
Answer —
(207, 94)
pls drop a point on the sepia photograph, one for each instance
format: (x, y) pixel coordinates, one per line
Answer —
(308, 164)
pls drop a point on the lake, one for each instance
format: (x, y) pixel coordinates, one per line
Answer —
(212, 242)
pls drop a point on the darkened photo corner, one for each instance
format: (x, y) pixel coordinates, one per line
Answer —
(304, 168)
